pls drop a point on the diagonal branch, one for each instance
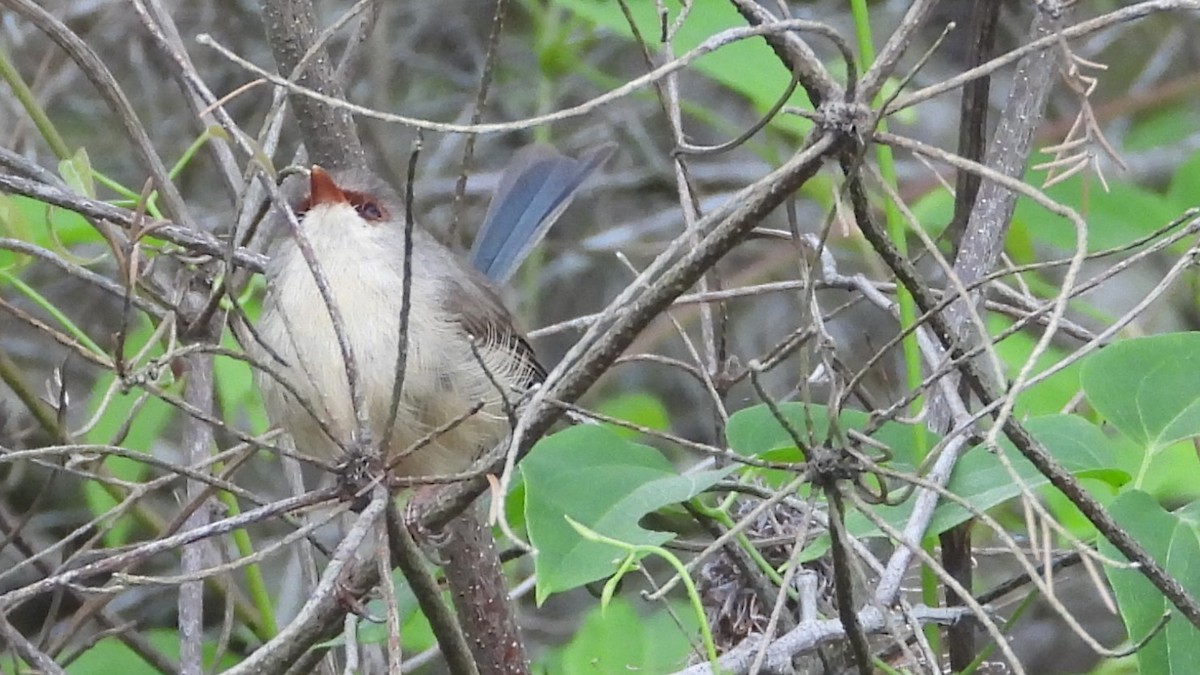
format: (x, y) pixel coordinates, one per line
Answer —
(672, 273)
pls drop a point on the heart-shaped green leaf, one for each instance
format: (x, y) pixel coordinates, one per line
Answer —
(602, 481)
(1148, 388)
(982, 480)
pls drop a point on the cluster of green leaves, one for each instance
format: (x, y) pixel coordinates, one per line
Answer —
(1148, 391)
(588, 488)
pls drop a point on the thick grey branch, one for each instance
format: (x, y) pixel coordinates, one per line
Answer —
(328, 132)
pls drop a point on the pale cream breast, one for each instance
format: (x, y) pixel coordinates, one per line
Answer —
(443, 378)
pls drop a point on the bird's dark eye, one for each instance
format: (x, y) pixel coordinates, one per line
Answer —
(369, 210)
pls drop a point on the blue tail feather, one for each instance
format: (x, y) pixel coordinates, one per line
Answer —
(536, 188)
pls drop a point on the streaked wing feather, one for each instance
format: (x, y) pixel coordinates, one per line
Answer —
(482, 314)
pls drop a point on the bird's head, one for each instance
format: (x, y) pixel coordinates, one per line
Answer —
(347, 198)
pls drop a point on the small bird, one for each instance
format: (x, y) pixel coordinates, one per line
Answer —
(465, 357)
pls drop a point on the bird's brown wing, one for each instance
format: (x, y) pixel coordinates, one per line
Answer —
(482, 314)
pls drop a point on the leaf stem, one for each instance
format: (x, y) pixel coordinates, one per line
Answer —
(634, 551)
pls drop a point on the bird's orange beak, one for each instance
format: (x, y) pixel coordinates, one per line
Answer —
(322, 189)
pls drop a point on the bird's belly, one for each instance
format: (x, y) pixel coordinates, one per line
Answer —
(448, 406)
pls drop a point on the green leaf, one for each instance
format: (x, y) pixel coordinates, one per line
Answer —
(981, 479)
(45, 225)
(77, 173)
(639, 408)
(236, 392)
(1020, 244)
(755, 431)
(415, 632)
(1048, 396)
(1113, 218)
(1184, 191)
(933, 210)
(1173, 541)
(144, 431)
(1171, 476)
(979, 476)
(14, 224)
(514, 505)
(1147, 387)
(748, 67)
(605, 483)
(1162, 126)
(110, 655)
(618, 640)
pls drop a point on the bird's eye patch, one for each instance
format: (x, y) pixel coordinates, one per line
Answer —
(370, 210)
(367, 208)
